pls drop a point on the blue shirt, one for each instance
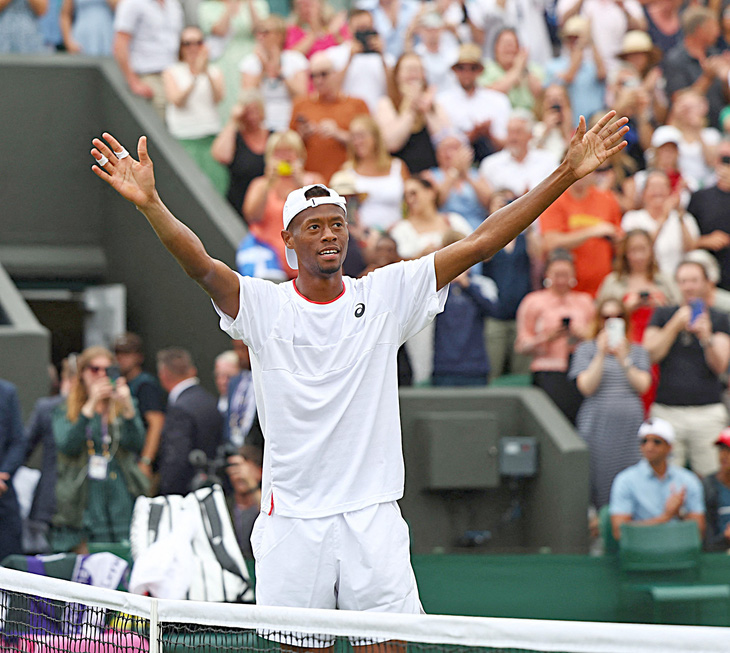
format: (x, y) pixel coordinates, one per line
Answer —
(639, 492)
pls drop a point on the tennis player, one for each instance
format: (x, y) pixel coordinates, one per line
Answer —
(323, 356)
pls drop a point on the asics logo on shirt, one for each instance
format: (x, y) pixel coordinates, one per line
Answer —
(359, 310)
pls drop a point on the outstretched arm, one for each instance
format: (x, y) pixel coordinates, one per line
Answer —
(588, 149)
(135, 182)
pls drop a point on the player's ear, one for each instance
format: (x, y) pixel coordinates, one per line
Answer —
(287, 238)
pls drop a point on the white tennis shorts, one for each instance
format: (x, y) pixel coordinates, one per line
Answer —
(352, 561)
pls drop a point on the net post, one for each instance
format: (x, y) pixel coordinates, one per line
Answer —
(154, 628)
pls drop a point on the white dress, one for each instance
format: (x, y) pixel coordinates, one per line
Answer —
(383, 206)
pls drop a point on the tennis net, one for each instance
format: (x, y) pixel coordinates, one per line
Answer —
(46, 615)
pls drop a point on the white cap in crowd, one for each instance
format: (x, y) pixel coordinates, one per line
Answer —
(659, 427)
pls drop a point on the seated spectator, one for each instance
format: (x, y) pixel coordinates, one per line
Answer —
(510, 269)
(436, 47)
(691, 343)
(717, 498)
(460, 187)
(550, 324)
(653, 491)
(410, 117)
(423, 229)
(586, 221)
(244, 472)
(611, 374)
(376, 174)
(226, 367)
(283, 172)
(232, 30)
(323, 119)
(510, 71)
(192, 421)
(12, 446)
(87, 26)
(709, 206)
(556, 126)
(717, 298)
(240, 146)
(99, 434)
(518, 166)
(459, 353)
(279, 75)
(639, 53)
(662, 156)
(145, 388)
(663, 23)
(626, 93)
(674, 231)
(580, 68)
(19, 29)
(241, 425)
(193, 90)
(315, 27)
(481, 114)
(391, 19)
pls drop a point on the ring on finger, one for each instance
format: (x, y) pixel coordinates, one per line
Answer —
(102, 161)
(122, 154)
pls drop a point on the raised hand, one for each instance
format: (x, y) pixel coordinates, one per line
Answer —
(588, 149)
(133, 180)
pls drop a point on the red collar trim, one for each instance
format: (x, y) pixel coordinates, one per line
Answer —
(311, 301)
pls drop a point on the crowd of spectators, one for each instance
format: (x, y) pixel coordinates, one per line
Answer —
(429, 116)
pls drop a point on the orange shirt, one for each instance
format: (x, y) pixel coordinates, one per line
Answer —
(326, 155)
(594, 258)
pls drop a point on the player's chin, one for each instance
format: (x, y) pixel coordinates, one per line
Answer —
(330, 268)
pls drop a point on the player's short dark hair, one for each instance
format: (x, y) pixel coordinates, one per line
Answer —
(316, 191)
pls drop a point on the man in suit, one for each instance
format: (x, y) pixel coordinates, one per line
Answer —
(12, 452)
(192, 420)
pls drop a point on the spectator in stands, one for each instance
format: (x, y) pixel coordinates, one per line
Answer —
(192, 420)
(718, 298)
(376, 174)
(709, 206)
(391, 19)
(459, 353)
(698, 143)
(315, 27)
(436, 47)
(550, 324)
(480, 113)
(244, 472)
(611, 374)
(146, 390)
(555, 129)
(639, 53)
(652, 491)
(692, 346)
(409, 116)
(423, 228)
(460, 187)
(625, 90)
(241, 426)
(518, 166)
(240, 146)
(586, 221)
(87, 26)
(694, 64)
(510, 269)
(510, 71)
(580, 68)
(99, 434)
(283, 172)
(146, 42)
(717, 498)
(663, 23)
(12, 446)
(280, 75)
(19, 29)
(193, 90)
(323, 119)
(232, 29)
(661, 214)
(226, 367)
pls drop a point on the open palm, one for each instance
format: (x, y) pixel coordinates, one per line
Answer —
(133, 180)
(588, 149)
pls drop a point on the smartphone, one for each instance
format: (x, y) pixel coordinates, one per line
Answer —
(644, 296)
(566, 322)
(615, 331)
(364, 37)
(113, 373)
(698, 308)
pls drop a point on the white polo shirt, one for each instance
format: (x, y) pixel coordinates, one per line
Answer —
(326, 385)
(465, 110)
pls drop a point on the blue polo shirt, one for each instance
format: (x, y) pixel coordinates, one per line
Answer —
(639, 492)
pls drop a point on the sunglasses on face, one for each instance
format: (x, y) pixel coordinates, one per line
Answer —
(656, 441)
(96, 369)
(189, 43)
(725, 159)
(471, 67)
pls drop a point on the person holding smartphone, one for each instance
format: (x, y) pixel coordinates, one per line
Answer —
(691, 343)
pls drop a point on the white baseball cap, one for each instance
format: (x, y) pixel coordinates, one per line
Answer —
(666, 134)
(659, 427)
(296, 202)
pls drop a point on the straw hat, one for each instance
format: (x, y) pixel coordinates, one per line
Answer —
(575, 26)
(469, 53)
(637, 41)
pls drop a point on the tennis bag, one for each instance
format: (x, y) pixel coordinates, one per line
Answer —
(185, 547)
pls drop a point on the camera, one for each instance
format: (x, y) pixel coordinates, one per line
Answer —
(211, 472)
(113, 372)
(644, 296)
(364, 37)
(566, 322)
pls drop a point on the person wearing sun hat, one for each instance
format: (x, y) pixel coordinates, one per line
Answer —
(653, 491)
(717, 498)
